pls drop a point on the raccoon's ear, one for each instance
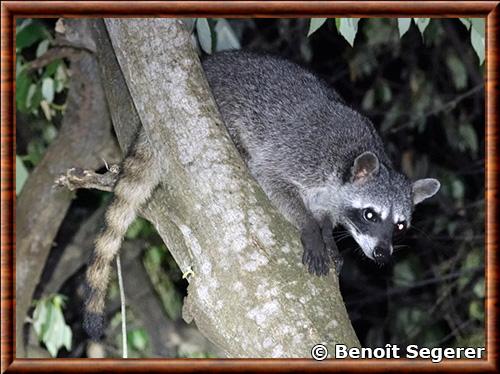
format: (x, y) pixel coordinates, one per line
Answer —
(424, 188)
(365, 165)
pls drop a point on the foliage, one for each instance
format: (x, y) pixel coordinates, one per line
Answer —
(214, 35)
(40, 93)
(155, 262)
(140, 228)
(36, 90)
(160, 267)
(49, 324)
(137, 337)
(348, 28)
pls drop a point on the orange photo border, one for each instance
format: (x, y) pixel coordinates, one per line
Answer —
(243, 9)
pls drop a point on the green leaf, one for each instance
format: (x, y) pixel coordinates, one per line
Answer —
(21, 174)
(30, 34)
(337, 23)
(476, 310)
(384, 92)
(47, 112)
(138, 339)
(162, 282)
(422, 24)
(60, 77)
(189, 23)
(403, 274)
(457, 189)
(403, 26)
(368, 99)
(23, 83)
(469, 136)
(49, 133)
(39, 317)
(48, 89)
(477, 43)
(348, 29)
(315, 24)
(479, 288)
(51, 68)
(204, 35)
(466, 22)
(34, 97)
(458, 71)
(478, 24)
(155, 255)
(50, 326)
(36, 149)
(139, 228)
(226, 38)
(473, 260)
(42, 47)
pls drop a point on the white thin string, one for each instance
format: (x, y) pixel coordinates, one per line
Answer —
(122, 303)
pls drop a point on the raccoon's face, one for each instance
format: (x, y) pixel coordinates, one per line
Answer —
(374, 227)
(379, 205)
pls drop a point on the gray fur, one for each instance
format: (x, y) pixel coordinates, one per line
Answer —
(139, 176)
(300, 142)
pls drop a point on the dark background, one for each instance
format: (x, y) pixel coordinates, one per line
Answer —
(425, 95)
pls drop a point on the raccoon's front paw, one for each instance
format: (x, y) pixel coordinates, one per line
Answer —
(316, 257)
(335, 255)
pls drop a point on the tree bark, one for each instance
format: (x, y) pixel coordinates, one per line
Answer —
(84, 137)
(249, 292)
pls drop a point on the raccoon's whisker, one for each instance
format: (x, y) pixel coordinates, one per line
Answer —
(353, 225)
(342, 233)
(398, 248)
(343, 236)
(427, 236)
(339, 240)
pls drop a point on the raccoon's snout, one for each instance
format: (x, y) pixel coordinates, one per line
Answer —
(382, 255)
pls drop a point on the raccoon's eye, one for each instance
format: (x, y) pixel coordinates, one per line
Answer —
(400, 226)
(370, 215)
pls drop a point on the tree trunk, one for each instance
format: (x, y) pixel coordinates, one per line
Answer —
(249, 292)
(84, 138)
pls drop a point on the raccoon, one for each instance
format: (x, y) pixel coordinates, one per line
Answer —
(320, 162)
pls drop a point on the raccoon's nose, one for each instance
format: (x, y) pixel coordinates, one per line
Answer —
(381, 255)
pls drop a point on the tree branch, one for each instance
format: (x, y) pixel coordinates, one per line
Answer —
(76, 178)
(250, 293)
(84, 135)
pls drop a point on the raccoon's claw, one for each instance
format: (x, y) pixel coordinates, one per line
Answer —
(316, 257)
(317, 263)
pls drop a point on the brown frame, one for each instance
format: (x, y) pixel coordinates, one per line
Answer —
(11, 9)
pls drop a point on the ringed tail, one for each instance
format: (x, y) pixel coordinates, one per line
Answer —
(138, 178)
